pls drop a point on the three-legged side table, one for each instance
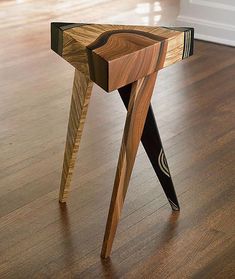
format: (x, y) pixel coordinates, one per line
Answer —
(126, 58)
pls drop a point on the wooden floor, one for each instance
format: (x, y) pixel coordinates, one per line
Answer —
(194, 107)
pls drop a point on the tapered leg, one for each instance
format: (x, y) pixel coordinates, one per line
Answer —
(140, 97)
(82, 87)
(153, 146)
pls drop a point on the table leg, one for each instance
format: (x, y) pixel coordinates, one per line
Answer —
(140, 97)
(153, 146)
(82, 87)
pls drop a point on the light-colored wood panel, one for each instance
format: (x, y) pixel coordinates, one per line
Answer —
(82, 87)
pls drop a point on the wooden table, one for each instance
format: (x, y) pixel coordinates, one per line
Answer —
(126, 58)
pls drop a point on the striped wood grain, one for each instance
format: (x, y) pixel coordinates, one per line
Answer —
(121, 57)
(78, 38)
(72, 40)
(137, 110)
(82, 87)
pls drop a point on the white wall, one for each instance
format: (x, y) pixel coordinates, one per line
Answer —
(213, 20)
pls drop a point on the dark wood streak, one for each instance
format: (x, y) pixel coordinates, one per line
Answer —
(97, 65)
(75, 38)
(103, 38)
(57, 29)
(124, 57)
(162, 55)
(185, 30)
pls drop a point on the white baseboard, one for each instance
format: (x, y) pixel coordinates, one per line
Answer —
(214, 39)
(209, 30)
(213, 5)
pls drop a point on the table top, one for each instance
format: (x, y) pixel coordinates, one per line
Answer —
(115, 55)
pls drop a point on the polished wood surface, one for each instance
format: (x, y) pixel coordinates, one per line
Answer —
(140, 97)
(151, 141)
(124, 58)
(82, 87)
(117, 56)
(115, 53)
(41, 238)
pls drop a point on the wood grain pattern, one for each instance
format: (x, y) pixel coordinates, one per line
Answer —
(138, 106)
(72, 42)
(153, 146)
(117, 56)
(43, 239)
(137, 110)
(82, 87)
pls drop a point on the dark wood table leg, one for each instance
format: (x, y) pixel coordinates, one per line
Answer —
(153, 146)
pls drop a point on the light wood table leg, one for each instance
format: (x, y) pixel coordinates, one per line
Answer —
(82, 87)
(137, 110)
